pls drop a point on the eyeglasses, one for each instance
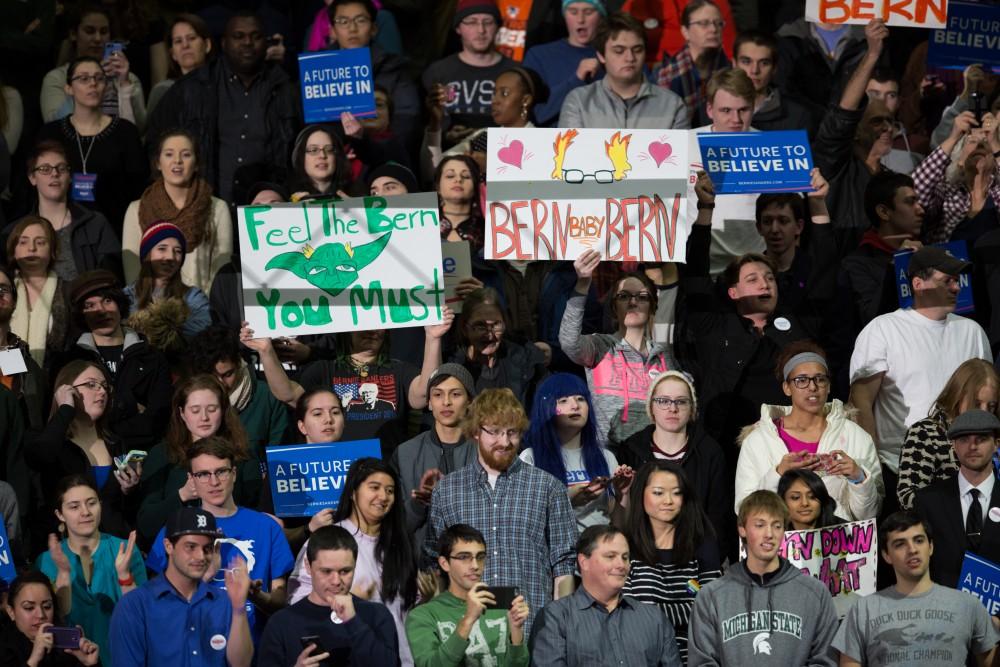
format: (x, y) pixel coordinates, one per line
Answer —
(640, 297)
(662, 402)
(94, 385)
(708, 23)
(579, 176)
(320, 150)
(465, 557)
(359, 21)
(483, 328)
(803, 381)
(482, 23)
(47, 169)
(511, 433)
(222, 474)
(87, 79)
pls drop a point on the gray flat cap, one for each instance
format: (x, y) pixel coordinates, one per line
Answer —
(974, 421)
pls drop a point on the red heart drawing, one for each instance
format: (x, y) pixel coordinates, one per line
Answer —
(512, 153)
(659, 152)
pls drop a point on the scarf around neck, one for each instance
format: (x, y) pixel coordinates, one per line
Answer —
(32, 324)
(242, 391)
(155, 206)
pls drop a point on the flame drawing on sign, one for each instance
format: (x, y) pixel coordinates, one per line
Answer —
(617, 151)
(560, 146)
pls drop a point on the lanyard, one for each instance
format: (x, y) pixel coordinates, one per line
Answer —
(79, 146)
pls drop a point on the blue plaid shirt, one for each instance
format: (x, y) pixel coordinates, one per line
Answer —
(527, 520)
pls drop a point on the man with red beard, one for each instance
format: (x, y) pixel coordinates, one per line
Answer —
(512, 503)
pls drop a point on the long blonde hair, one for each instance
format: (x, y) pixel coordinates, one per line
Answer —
(963, 385)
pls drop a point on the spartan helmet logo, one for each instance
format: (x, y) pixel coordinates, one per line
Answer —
(761, 645)
(202, 521)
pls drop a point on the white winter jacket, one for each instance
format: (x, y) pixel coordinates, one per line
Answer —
(761, 450)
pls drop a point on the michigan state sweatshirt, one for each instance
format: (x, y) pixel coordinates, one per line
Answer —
(786, 615)
(430, 629)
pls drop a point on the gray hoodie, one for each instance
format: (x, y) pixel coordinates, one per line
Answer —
(785, 618)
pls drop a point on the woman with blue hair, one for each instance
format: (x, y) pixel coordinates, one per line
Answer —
(562, 440)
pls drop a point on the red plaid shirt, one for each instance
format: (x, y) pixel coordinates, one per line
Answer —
(679, 74)
(945, 205)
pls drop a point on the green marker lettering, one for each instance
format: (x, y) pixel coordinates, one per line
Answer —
(270, 304)
(367, 298)
(250, 214)
(377, 222)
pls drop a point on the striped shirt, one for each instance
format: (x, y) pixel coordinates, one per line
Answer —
(578, 630)
(673, 586)
(529, 526)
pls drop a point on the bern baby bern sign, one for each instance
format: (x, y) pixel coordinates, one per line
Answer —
(355, 264)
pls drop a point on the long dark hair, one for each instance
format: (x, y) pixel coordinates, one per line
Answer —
(179, 437)
(393, 550)
(691, 527)
(827, 505)
(543, 437)
(33, 577)
(300, 181)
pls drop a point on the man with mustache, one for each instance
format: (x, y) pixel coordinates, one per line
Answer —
(902, 359)
(574, 630)
(514, 504)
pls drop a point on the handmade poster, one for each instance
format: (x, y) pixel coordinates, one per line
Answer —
(971, 36)
(7, 570)
(308, 478)
(959, 249)
(756, 162)
(456, 265)
(844, 557)
(333, 82)
(912, 13)
(350, 265)
(555, 193)
(981, 578)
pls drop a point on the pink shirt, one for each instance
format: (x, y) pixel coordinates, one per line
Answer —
(794, 444)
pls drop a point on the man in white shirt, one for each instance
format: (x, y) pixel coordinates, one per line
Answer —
(730, 105)
(962, 509)
(902, 359)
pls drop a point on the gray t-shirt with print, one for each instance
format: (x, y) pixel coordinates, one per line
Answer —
(938, 628)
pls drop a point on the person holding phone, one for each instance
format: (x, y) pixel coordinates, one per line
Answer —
(811, 435)
(562, 441)
(78, 440)
(386, 567)
(332, 622)
(959, 182)
(468, 624)
(33, 637)
(90, 570)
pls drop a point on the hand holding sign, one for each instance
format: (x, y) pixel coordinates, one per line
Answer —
(352, 126)
(585, 265)
(876, 32)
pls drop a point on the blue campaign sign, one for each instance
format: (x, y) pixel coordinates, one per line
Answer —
(7, 569)
(901, 260)
(336, 81)
(308, 478)
(972, 36)
(981, 578)
(755, 162)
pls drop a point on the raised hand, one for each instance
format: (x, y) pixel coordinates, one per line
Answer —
(124, 557)
(237, 583)
(439, 330)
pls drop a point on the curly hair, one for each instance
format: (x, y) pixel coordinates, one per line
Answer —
(497, 407)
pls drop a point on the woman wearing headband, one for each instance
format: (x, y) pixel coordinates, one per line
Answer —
(811, 435)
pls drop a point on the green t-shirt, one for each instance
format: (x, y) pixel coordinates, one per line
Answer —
(430, 629)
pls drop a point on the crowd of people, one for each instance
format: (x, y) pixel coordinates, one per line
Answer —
(592, 462)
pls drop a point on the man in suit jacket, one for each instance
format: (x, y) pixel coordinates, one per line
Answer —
(964, 509)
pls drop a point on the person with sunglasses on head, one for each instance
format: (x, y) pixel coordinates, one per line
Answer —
(78, 440)
(812, 435)
(463, 625)
(621, 365)
(254, 536)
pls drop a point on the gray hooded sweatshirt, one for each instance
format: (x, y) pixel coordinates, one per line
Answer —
(785, 618)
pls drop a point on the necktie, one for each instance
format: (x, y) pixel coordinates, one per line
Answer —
(974, 521)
